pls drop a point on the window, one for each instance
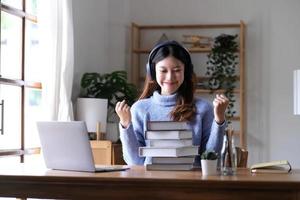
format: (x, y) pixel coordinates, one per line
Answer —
(20, 86)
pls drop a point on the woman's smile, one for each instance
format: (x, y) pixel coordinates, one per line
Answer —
(169, 75)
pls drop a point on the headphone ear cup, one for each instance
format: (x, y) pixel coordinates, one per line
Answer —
(150, 71)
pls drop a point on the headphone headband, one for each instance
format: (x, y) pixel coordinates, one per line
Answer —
(151, 72)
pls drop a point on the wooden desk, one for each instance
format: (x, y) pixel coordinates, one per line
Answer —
(136, 183)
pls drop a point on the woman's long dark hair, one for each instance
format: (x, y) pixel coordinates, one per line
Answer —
(185, 108)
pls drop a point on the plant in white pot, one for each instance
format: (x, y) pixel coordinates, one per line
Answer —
(209, 161)
(112, 87)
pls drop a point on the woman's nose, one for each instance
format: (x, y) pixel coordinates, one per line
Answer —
(170, 75)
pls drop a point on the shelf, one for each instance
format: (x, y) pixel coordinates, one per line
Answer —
(208, 91)
(139, 37)
(191, 50)
(234, 118)
(188, 26)
(199, 78)
(236, 132)
(206, 78)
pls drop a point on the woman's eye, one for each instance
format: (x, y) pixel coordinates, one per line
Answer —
(162, 71)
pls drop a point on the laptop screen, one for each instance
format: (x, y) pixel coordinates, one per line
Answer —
(66, 146)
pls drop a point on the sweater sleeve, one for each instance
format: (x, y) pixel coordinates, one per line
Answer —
(132, 138)
(212, 132)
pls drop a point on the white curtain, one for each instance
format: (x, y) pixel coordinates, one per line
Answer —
(57, 58)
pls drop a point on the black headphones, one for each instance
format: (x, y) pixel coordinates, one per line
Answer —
(150, 67)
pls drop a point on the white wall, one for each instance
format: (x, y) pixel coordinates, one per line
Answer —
(101, 32)
(90, 38)
(119, 32)
(272, 53)
(284, 58)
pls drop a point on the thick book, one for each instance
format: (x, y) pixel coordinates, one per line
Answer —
(173, 160)
(279, 166)
(170, 134)
(169, 167)
(169, 143)
(168, 151)
(166, 125)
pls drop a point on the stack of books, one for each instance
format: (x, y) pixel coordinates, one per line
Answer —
(170, 145)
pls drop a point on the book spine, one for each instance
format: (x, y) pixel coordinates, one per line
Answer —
(169, 167)
(172, 160)
(152, 135)
(166, 125)
(168, 152)
(169, 143)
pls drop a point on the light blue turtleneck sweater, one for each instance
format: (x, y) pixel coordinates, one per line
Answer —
(207, 134)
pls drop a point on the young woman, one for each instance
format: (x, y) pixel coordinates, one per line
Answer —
(168, 95)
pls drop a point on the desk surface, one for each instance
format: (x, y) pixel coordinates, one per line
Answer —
(28, 181)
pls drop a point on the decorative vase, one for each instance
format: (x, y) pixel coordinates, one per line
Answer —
(228, 155)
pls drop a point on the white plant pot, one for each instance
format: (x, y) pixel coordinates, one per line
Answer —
(209, 167)
(92, 111)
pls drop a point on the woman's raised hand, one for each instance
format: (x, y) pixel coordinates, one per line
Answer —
(123, 111)
(220, 104)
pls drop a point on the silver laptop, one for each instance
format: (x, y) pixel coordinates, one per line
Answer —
(66, 146)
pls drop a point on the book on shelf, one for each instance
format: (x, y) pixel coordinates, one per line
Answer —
(166, 125)
(173, 160)
(170, 134)
(168, 151)
(169, 167)
(278, 167)
(169, 143)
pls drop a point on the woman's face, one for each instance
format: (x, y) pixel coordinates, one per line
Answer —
(169, 75)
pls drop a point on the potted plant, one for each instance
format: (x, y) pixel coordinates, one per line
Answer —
(221, 68)
(111, 86)
(209, 160)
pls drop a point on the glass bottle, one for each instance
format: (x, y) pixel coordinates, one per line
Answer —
(228, 155)
(234, 155)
